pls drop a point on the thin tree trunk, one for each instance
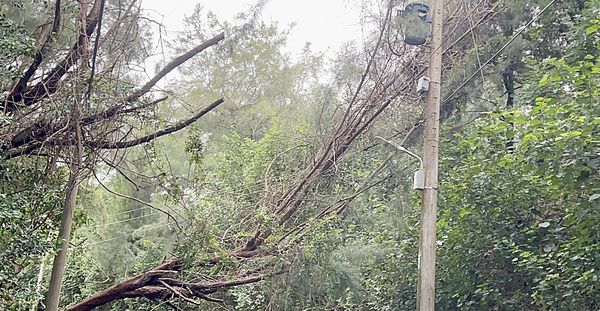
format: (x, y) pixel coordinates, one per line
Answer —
(64, 235)
(66, 220)
(38, 285)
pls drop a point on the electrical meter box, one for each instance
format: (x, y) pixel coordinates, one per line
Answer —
(423, 85)
(419, 180)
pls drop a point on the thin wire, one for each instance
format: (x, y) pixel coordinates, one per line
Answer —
(457, 25)
(129, 211)
(488, 15)
(95, 243)
(114, 238)
(499, 51)
(444, 40)
(123, 221)
(136, 200)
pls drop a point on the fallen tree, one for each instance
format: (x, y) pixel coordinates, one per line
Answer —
(387, 78)
(372, 95)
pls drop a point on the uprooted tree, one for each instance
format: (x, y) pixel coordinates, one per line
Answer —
(79, 107)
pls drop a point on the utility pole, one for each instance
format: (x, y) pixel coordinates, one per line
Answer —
(427, 237)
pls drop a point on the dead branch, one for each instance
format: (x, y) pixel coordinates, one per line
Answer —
(174, 64)
(159, 283)
(43, 129)
(157, 134)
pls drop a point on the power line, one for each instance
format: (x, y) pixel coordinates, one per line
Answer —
(114, 238)
(489, 14)
(451, 32)
(457, 25)
(124, 212)
(499, 51)
(129, 211)
(444, 40)
(123, 221)
(95, 243)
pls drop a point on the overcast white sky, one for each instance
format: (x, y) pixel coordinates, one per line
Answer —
(324, 23)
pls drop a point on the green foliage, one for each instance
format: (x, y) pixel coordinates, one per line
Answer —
(15, 45)
(248, 298)
(233, 180)
(519, 216)
(29, 213)
(249, 69)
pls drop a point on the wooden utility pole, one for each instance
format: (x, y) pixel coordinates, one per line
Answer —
(427, 238)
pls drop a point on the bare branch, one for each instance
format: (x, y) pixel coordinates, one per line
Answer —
(40, 132)
(116, 109)
(157, 134)
(174, 64)
(95, 51)
(159, 284)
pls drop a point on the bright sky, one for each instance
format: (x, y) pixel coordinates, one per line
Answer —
(324, 23)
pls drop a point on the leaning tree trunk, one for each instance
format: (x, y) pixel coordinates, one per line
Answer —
(64, 236)
(66, 220)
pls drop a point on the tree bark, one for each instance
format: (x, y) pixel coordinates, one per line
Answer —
(38, 285)
(66, 220)
(64, 236)
(160, 284)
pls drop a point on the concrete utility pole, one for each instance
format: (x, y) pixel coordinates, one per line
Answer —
(427, 238)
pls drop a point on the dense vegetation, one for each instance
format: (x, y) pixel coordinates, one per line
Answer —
(253, 180)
